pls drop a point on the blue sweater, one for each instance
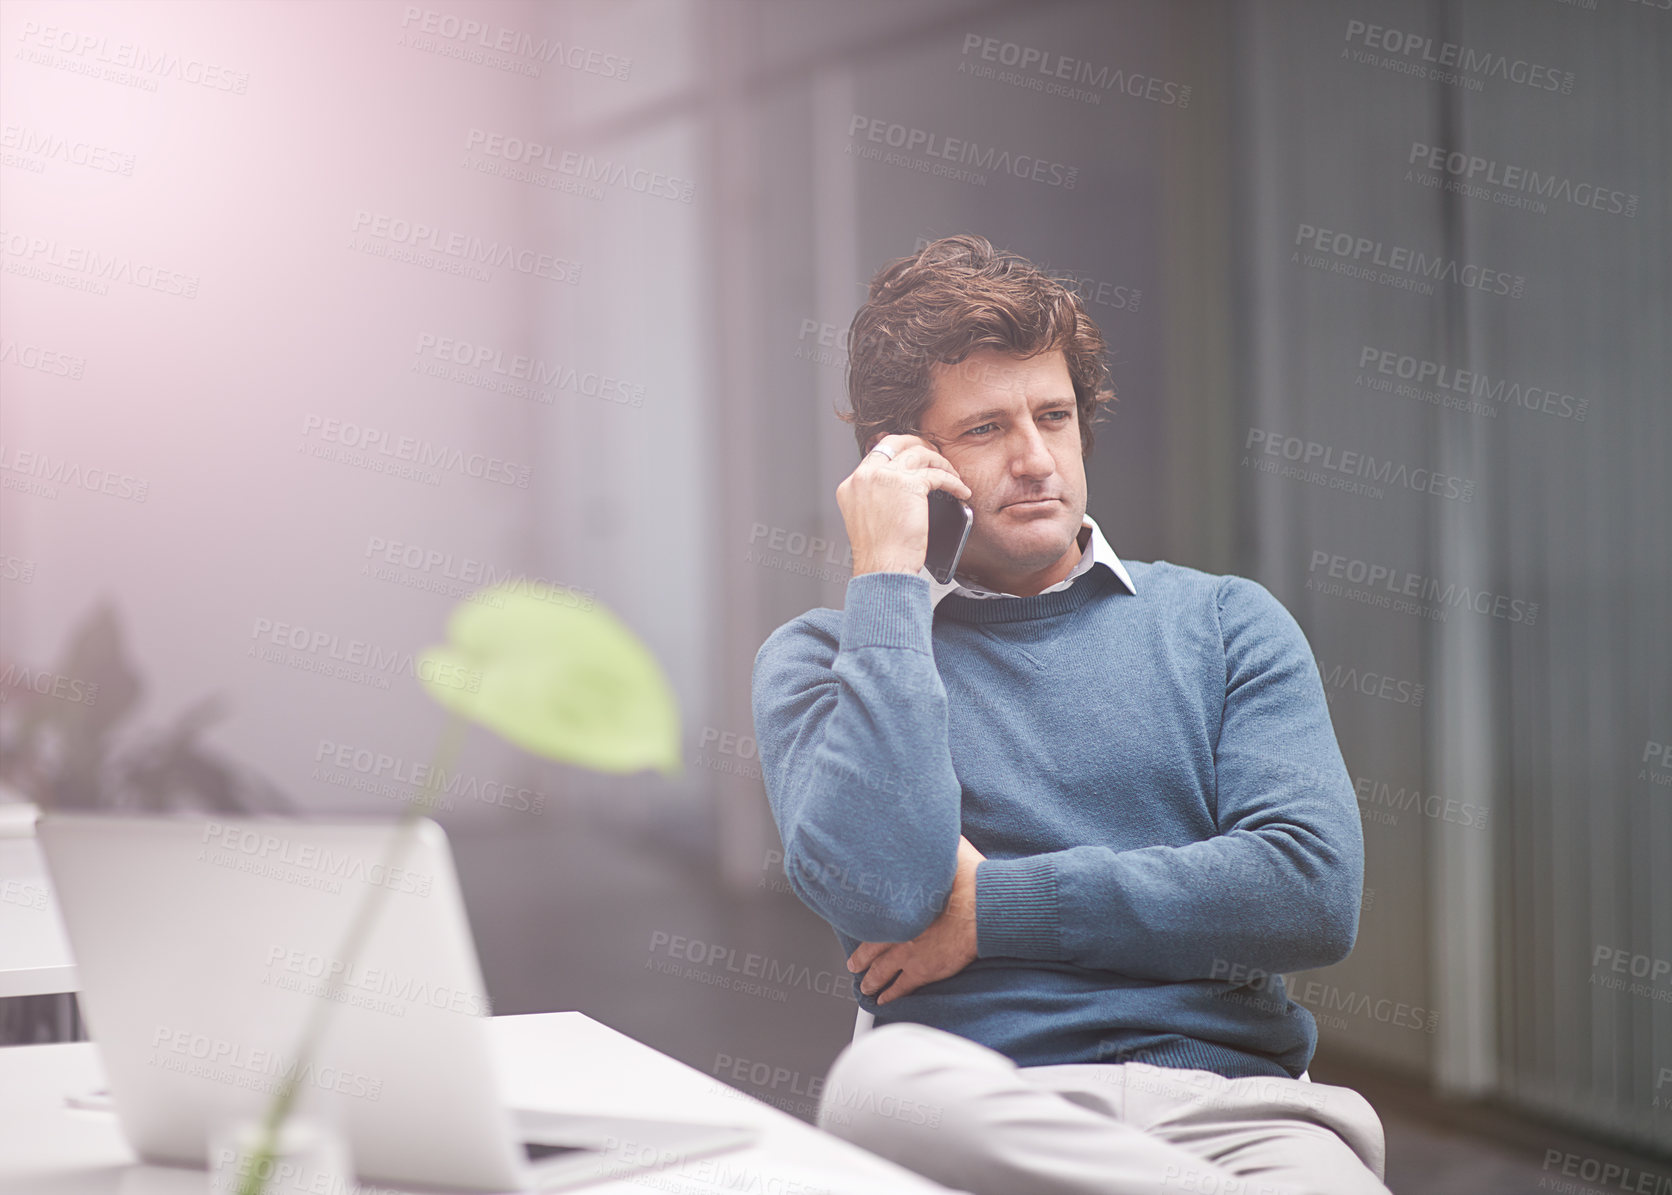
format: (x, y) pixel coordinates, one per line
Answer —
(1153, 778)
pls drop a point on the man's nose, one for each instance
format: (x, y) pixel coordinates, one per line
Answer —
(1032, 457)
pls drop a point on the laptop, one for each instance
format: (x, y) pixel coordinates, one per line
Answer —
(205, 944)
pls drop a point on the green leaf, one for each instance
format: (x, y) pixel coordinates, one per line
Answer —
(549, 669)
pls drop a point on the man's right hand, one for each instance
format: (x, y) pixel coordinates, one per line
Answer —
(885, 504)
(950, 944)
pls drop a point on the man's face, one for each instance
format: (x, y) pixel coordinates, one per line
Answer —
(1011, 429)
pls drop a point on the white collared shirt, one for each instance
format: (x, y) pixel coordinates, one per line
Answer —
(1096, 551)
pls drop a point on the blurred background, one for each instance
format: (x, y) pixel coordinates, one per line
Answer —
(316, 317)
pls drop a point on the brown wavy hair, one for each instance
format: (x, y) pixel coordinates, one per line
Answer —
(954, 296)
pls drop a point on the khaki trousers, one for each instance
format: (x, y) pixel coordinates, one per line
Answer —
(966, 1116)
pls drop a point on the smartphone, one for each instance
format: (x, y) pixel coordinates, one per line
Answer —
(950, 520)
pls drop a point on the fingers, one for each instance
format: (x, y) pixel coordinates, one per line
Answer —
(940, 479)
(872, 958)
(919, 461)
(866, 954)
(882, 973)
(894, 444)
(911, 452)
(902, 987)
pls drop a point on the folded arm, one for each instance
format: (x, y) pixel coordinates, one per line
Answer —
(1276, 890)
(852, 735)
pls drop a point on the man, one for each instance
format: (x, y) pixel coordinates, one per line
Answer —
(1070, 819)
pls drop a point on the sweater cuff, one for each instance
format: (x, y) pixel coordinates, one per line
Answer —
(1016, 910)
(887, 610)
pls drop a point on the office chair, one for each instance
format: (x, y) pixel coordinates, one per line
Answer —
(861, 1021)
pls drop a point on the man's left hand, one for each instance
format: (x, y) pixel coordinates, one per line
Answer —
(945, 948)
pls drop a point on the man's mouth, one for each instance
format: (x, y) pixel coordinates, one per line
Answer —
(1030, 503)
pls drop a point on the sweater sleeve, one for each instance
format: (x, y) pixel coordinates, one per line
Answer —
(1276, 890)
(854, 753)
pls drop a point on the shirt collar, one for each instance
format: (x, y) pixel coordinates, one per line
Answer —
(1097, 551)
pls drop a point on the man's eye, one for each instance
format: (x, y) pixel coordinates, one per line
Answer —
(1055, 416)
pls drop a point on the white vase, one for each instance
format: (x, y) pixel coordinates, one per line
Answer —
(309, 1158)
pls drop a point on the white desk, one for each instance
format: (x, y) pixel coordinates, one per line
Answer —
(561, 1061)
(35, 957)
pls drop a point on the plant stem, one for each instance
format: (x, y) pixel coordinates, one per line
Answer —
(400, 841)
